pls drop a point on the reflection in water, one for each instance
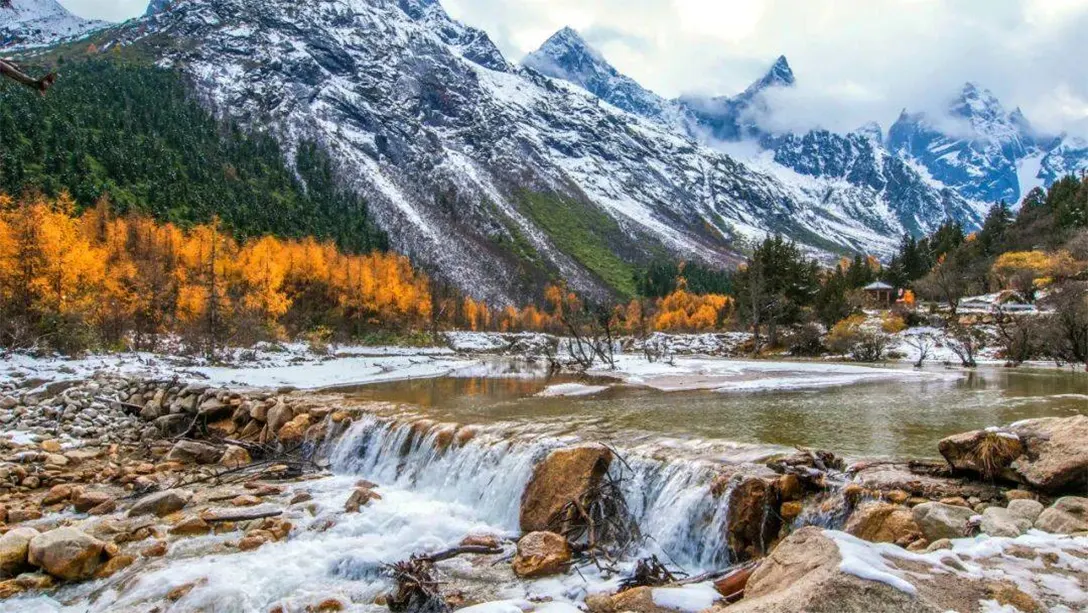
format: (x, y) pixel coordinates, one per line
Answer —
(895, 418)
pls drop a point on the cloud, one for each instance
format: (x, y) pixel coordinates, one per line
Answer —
(855, 60)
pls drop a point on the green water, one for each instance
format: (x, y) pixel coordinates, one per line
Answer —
(895, 418)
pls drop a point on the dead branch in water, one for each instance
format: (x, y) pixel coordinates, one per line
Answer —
(417, 589)
(649, 572)
(241, 516)
(599, 525)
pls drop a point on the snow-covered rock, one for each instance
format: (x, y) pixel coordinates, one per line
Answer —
(36, 23)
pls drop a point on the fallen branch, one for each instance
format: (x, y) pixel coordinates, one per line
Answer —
(241, 516)
(458, 551)
(42, 85)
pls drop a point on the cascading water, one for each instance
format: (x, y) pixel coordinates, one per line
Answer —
(671, 502)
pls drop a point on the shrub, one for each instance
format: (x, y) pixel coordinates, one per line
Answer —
(806, 340)
(860, 338)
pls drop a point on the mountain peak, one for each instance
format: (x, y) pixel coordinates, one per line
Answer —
(566, 55)
(779, 75)
(34, 23)
(158, 6)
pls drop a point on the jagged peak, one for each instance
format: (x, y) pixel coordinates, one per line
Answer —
(566, 54)
(872, 131)
(779, 75)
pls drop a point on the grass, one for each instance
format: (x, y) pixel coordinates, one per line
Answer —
(582, 232)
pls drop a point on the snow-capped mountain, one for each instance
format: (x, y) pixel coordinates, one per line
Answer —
(36, 23)
(566, 55)
(158, 6)
(976, 150)
(734, 118)
(856, 167)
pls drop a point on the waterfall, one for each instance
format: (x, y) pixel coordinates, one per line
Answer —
(488, 469)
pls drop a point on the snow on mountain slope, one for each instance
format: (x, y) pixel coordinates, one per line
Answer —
(36, 23)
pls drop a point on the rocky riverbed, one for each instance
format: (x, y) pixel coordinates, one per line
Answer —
(120, 492)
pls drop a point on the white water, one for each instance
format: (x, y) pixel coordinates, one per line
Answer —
(433, 495)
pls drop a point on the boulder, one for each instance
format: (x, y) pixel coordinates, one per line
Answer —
(563, 476)
(235, 457)
(988, 453)
(880, 522)
(58, 493)
(1026, 509)
(295, 430)
(160, 503)
(67, 553)
(541, 554)
(939, 521)
(900, 477)
(998, 521)
(805, 574)
(751, 524)
(85, 501)
(360, 498)
(191, 526)
(192, 452)
(1068, 515)
(14, 548)
(1056, 456)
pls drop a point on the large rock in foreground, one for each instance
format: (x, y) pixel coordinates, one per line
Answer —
(67, 553)
(1069, 515)
(565, 475)
(804, 574)
(1050, 454)
(14, 548)
(880, 522)
(942, 521)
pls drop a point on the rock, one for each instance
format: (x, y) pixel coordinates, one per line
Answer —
(1055, 458)
(105, 508)
(1007, 594)
(35, 581)
(804, 575)
(155, 550)
(791, 510)
(191, 526)
(10, 588)
(16, 516)
(541, 554)
(1026, 508)
(246, 501)
(295, 430)
(889, 477)
(360, 498)
(751, 524)
(790, 488)
(481, 540)
(880, 522)
(939, 545)
(956, 501)
(998, 521)
(254, 539)
(85, 501)
(57, 493)
(638, 600)
(1068, 515)
(564, 476)
(988, 453)
(161, 503)
(192, 452)
(939, 521)
(14, 548)
(114, 564)
(67, 553)
(279, 415)
(301, 497)
(235, 457)
(1012, 495)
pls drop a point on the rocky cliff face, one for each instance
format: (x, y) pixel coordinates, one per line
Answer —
(35, 23)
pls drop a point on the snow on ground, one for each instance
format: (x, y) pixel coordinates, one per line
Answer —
(289, 365)
(695, 373)
(992, 559)
(571, 389)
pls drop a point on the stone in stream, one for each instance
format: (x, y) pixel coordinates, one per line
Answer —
(940, 521)
(880, 522)
(751, 521)
(1067, 516)
(565, 475)
(14, 548)
(192, 452)
(161, 503)
(541, 554)
(67, 553)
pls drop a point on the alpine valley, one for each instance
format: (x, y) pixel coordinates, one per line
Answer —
(499, 177)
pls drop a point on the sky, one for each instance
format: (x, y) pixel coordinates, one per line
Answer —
(855, 60)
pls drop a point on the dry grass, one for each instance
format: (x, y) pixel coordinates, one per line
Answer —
(995, 452)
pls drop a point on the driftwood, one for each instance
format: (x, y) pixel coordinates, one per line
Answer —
(241, 516)
(9, 70)
(649, 572)
(417, 589)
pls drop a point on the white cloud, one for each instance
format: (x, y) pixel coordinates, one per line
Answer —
(855, 60)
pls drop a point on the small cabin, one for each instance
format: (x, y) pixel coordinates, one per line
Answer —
(879, 294)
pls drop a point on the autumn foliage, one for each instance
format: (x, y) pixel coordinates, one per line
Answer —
(100, 279)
